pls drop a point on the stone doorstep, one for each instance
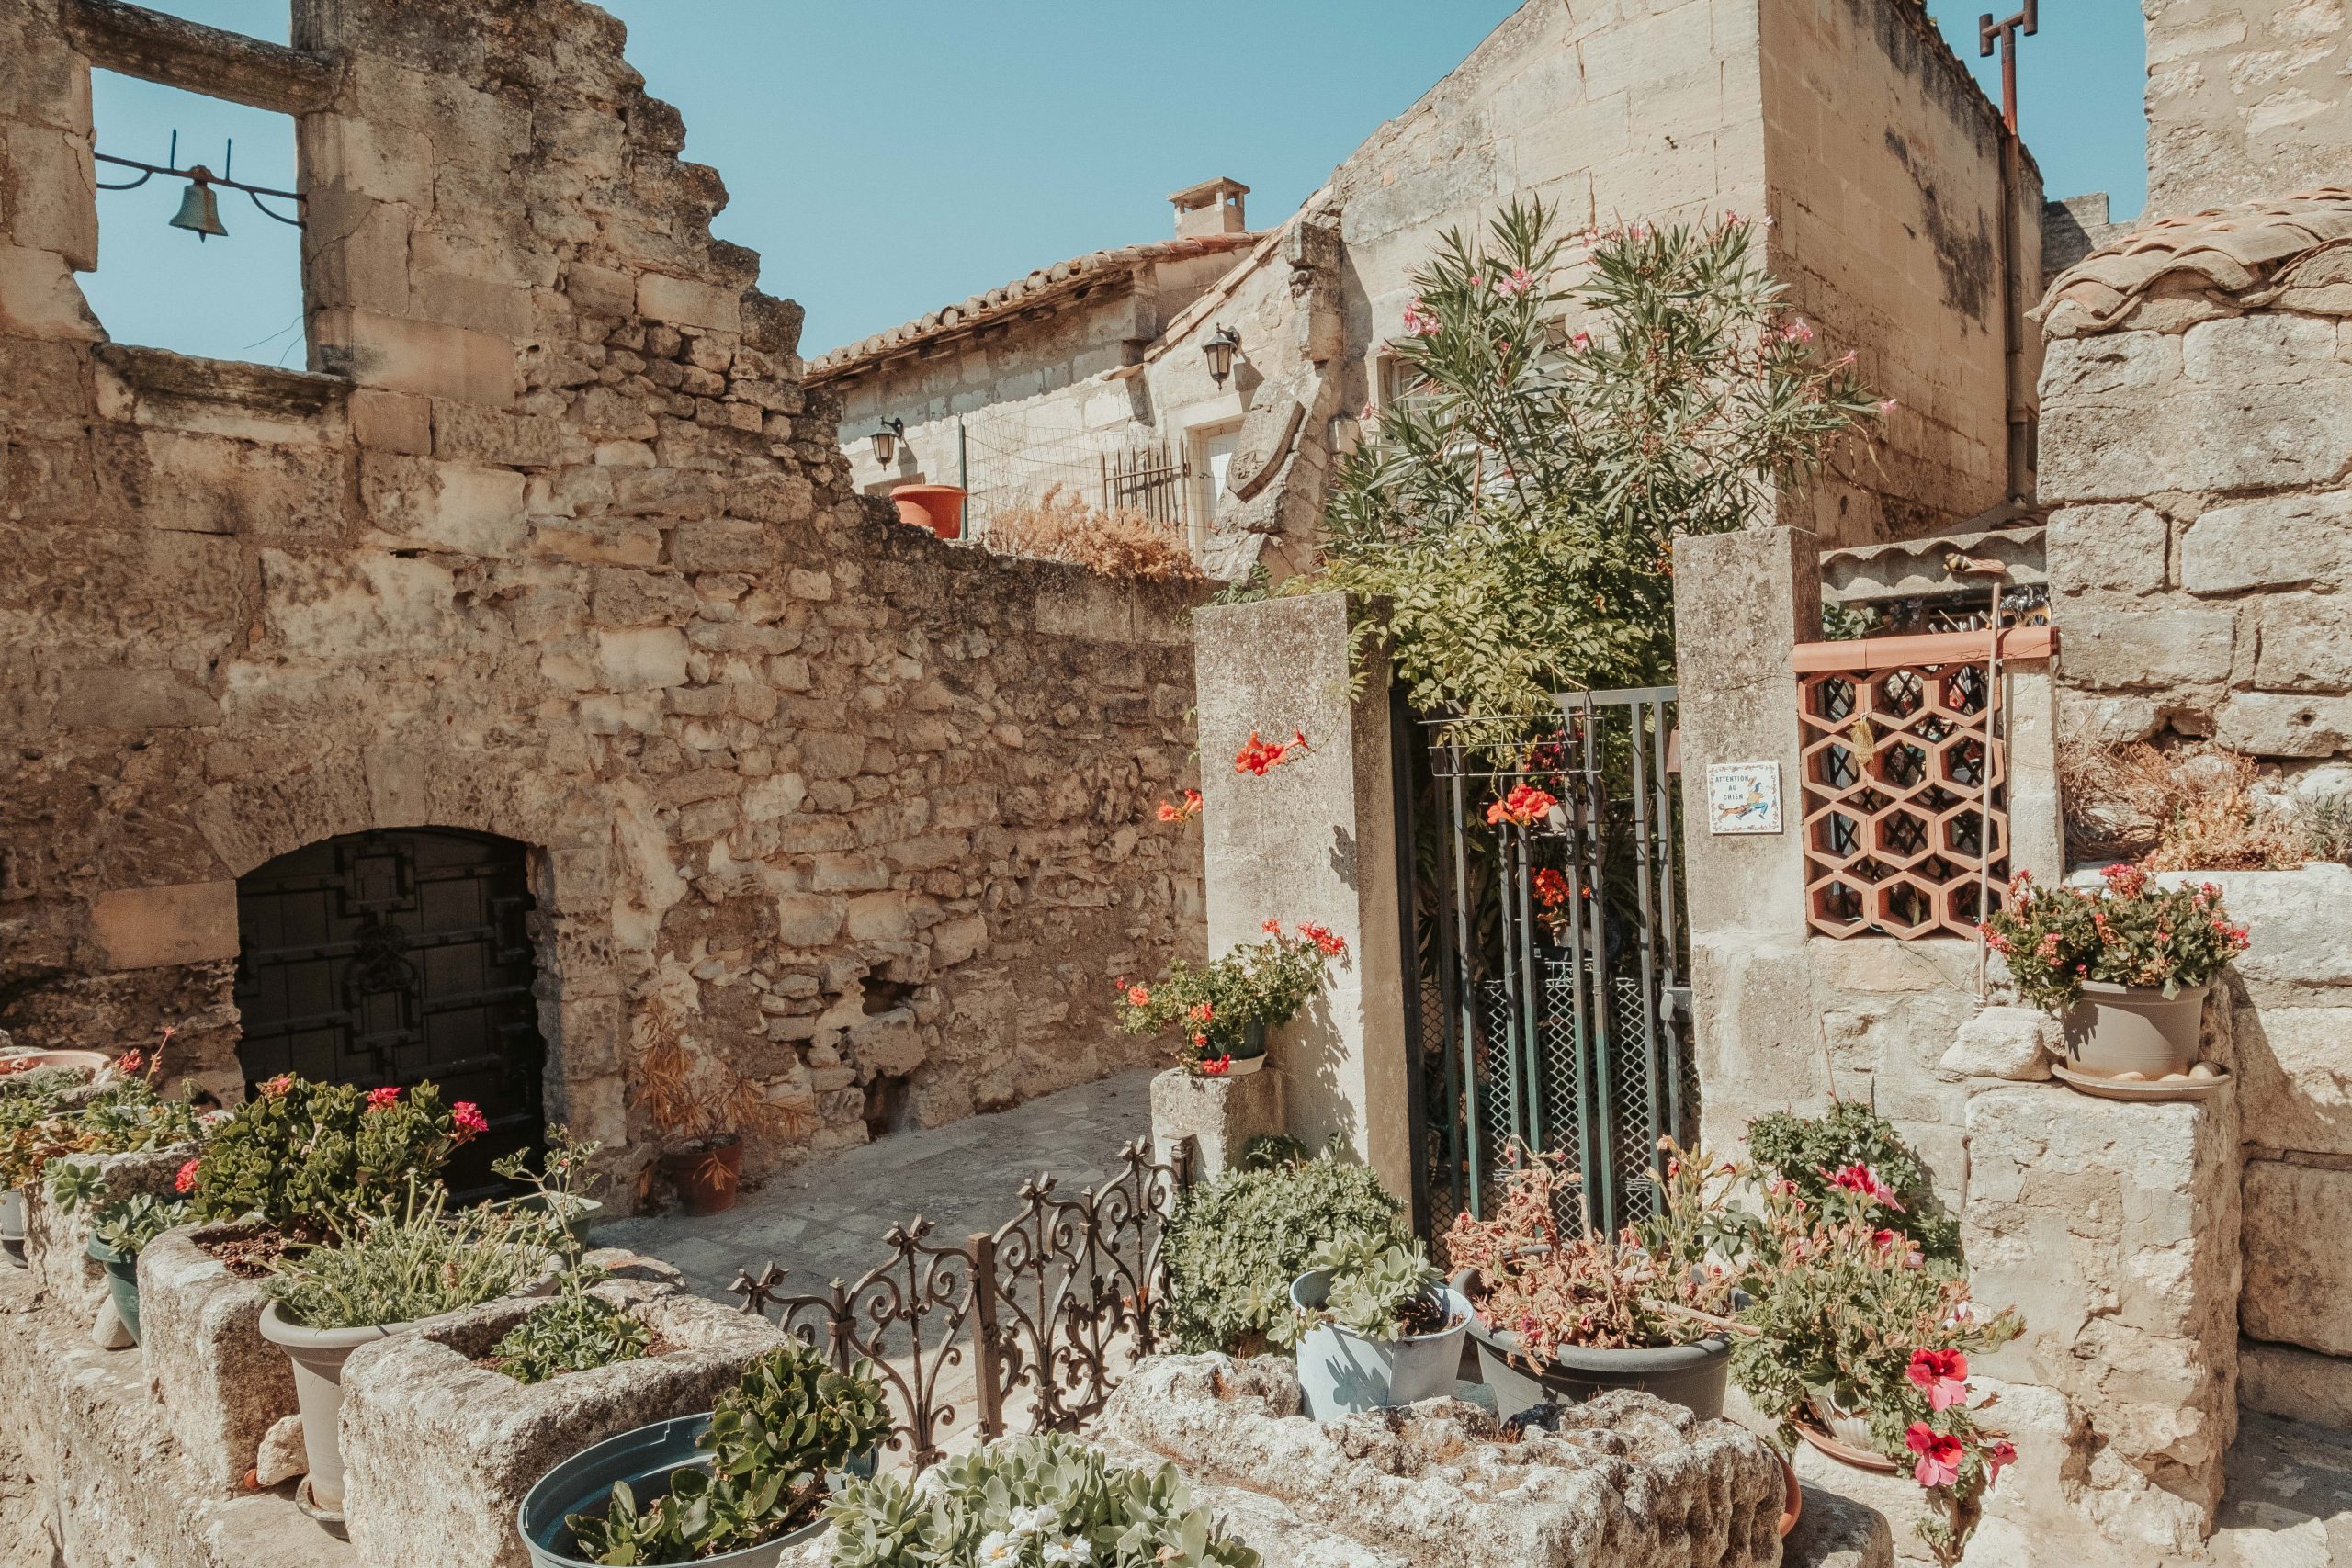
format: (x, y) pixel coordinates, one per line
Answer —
(84, 1412)
(57, 1243)
(438, 1452)
(220, 1385)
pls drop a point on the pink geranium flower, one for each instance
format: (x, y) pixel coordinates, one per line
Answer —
(383, 1099)
(1941, 1375)
(1939, 1454)
(185, 1182)
(470, 1120)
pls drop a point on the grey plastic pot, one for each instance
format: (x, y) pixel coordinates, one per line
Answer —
(645, 1458)
(1340, 1373)
(12, 1226)
(2133, 1029)
(122, 1282)
(1692, 1376)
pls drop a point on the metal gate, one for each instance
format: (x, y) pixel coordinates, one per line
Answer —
(391, 958)
(1551, 954)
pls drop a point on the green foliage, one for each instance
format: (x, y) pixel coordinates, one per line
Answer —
(419, 1263)
(40, 1084)
(773, 1440)
(1808, 1151)
(1520, 505)
(1843, 623)
(1263, 983)
(1032, 1503)
(1381, 1287)
(1234, 1245)
(130, 1117)
(574, 1333)
(128, 1224)
(310, 1160)
(2129, 932)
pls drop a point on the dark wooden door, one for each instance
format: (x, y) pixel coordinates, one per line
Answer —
(397, 957)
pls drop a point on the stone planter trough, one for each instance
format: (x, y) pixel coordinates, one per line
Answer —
(57, 1245)
(220, 1384)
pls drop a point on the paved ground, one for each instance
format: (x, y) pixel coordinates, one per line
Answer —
(826, 1220)
(2289, 1500)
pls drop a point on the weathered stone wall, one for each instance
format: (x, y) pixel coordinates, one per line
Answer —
(1666, 111)
(550, 544)
(2246, 98)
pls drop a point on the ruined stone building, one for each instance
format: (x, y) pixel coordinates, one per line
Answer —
(522, 696)
(1850, 123)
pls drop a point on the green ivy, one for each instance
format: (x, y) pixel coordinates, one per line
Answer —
(1809, 1150)
(1032, 1503)
(1234, 1245)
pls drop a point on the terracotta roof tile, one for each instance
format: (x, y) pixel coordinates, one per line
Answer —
(2251, 251)
(1045, 283)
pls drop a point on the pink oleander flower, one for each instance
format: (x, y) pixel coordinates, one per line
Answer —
(1797, 331)
(1886, 409)
(471, 1122)
(1941, 1375)
(1419, 319)
(1516, 284)
(1939, 1455)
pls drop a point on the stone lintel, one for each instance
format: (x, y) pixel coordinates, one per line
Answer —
(218, 63)
(150, 928)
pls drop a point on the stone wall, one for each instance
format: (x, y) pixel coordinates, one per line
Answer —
(1666, 110)
(549, 543)
(2197, 435)
(2246, 98)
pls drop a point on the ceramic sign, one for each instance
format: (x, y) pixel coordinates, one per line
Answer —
(1744, 797)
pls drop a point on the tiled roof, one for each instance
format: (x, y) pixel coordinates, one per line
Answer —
(2239, 251)
(1045, 283)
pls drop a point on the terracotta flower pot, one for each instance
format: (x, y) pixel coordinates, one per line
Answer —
(2133, 1029)
(707, 1174)
(939, 508)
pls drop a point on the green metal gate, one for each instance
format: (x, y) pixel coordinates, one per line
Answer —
(1551, 959)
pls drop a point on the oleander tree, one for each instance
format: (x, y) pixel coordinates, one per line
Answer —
(1520, 503)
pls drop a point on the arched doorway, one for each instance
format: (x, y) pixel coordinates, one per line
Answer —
(392, 957)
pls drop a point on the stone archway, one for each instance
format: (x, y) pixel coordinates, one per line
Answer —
(393, 956)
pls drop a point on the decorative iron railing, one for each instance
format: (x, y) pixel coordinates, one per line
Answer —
(1904, 765)
(1033, 1322)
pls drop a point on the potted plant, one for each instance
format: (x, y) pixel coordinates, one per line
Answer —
(1562, 1317)
(1222, 1009)
(1234, 1245)
(388, 1275)
(738, 1485)
(1373, 1325)
(1852, 1149)
(1857, 1342)
(120, 1229)
(1043, 1502)
(2124, 967)
(307, 1158)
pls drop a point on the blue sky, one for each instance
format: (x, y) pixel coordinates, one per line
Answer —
(885, 159)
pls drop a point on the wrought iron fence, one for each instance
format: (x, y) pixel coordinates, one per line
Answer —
(1046, 1311)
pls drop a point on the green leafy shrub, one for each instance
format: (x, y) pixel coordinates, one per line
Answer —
(1031, 1502)
(574, 1333)
(1234, 1245)
(773, 1440)
(2129, 932)
(310, 1160)
(1810, 1153)
(130, 1117)
(417, 1264)
(1380, 1288)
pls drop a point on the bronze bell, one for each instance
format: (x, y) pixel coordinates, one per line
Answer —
(199, 210)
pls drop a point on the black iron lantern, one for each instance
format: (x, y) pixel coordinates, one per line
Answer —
(886, 439)
(1220, 349)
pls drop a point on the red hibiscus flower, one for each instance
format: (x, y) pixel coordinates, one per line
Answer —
(1525, 805)
(1939, 1452)
(185, 1182)
(383, 1099)
(1943, 1375)
(471, 1121)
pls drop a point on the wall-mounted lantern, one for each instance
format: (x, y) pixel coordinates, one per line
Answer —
(885, 438)
(1220, 349)
(200, 211)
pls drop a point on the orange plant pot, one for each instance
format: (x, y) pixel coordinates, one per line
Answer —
(939, 508)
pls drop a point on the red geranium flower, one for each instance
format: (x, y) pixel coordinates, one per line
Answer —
(1939, 1454)
(185, 1182)
(1863, 1179)
(1138, 996)
(130, 1063)
(1271, 926)
(1215, 1066)
(384, 1097)
(1943, 1375)
(471, 1121)
(1551, 889)
(1324, 937)
(278, 1085)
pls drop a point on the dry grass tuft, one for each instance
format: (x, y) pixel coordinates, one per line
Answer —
(2194, 808)
(1062, 526)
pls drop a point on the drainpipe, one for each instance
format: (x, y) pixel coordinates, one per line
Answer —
(2013, 366)
(964, 473)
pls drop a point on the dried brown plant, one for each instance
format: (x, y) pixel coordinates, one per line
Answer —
(2187, 808)
(1062, 526)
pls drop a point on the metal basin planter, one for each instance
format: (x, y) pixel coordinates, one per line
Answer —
(1693, 1375)
(645, 1458)
(1340, 1373)
(2133, 1029)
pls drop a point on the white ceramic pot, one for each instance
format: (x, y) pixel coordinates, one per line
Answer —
(1341, 1371)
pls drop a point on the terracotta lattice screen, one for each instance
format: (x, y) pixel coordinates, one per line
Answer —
(1897, 734)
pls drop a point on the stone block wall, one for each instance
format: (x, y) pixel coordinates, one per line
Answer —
(2246, 98)
(550, 543)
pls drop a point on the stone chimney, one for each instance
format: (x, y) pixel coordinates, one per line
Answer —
(1212, 207)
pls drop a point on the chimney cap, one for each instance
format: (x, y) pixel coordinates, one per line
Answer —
(1212, 207)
